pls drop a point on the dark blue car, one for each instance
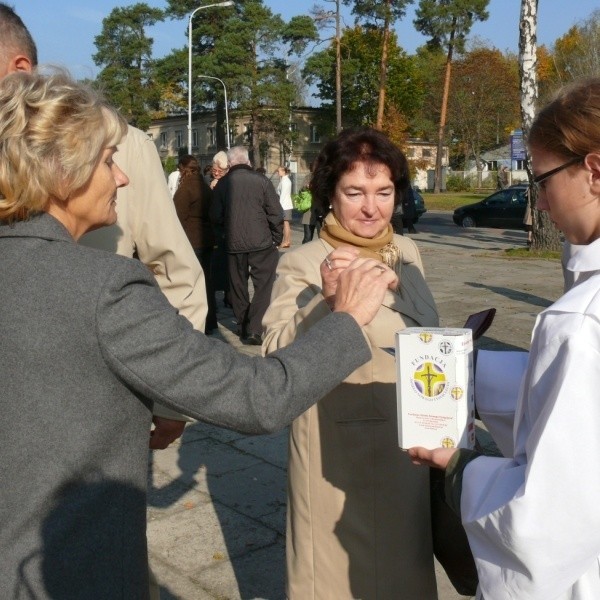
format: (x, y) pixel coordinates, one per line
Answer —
(504, 209)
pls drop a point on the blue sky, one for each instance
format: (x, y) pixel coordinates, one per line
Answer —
(65, 35)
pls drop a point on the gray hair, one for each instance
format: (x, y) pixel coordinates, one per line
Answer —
(238, 155)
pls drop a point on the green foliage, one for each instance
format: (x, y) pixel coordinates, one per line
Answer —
(483, 106)
(448, 22)
(575, 55)
(125, 52)
(450, 200)
(378, 11)
(245, 49)
(169, 164)
(531, 253)
(458, 183)
(361, 52)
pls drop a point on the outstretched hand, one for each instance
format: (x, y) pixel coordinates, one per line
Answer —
(361, 288)
(437, 458)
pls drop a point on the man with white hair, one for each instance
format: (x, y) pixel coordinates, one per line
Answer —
(246, 205)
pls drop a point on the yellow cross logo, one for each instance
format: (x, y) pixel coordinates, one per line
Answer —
(456, 393)
(448, 443)
(430, 380)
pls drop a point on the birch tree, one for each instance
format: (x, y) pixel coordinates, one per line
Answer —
(544, 234)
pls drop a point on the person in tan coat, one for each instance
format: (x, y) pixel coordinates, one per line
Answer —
(358, 523)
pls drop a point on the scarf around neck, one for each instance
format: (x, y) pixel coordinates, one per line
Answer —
(379, 248)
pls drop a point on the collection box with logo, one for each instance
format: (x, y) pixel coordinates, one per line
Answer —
(434, 387)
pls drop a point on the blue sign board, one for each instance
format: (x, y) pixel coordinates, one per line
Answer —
(517, 146)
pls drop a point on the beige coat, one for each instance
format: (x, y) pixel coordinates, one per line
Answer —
(148, 227)
(358, 521)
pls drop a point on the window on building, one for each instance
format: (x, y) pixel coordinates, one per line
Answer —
(248, 133)
(178, 139)
(163, 139)
(426, 153)
(315, 136)
(410, 152)
(194, 138)
(211, 138)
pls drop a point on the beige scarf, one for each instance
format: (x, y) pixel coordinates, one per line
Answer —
(379, 248)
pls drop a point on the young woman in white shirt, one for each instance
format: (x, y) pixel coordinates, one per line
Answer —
(533, 520)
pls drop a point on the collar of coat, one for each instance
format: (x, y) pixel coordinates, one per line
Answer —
(41, 225)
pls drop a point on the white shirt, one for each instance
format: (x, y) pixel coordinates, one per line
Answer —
(533, 521)
(173, 182)
(284, 189)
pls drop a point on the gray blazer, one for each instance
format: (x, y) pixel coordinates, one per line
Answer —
(88, 343)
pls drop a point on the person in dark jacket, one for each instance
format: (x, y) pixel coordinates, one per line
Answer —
(192, 202)
(246, 203)
(409, 210)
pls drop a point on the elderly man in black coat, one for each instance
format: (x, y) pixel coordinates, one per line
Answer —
(246, 207)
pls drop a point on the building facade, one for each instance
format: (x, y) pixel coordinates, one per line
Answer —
(170, 136)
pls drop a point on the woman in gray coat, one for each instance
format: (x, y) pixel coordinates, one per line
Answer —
(89, 343)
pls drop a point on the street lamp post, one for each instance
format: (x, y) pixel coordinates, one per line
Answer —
(226, 3)
(226, 110)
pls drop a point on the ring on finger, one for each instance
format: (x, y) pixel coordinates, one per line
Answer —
(328, 263)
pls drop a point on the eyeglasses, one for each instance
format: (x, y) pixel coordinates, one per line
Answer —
(541, 178)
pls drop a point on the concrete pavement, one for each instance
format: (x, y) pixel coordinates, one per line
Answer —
(216, 515)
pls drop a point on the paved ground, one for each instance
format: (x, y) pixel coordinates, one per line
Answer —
(216, 516)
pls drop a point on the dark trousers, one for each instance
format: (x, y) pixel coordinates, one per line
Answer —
(205, 257)
(260, 266)
(309, 231)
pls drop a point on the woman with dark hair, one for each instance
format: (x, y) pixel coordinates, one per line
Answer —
(358, 523)
(192, 203)
(89, 344)
(532, 518)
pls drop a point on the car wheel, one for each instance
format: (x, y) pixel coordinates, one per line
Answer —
(468, 222)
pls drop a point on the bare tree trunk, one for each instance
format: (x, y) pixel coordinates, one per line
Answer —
(383, 67)
(441, 131)
(338, 69)
(544, 235)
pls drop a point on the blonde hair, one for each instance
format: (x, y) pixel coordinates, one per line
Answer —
(52, 134)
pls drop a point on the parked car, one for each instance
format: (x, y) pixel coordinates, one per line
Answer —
(419, 205)
(505, 209)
